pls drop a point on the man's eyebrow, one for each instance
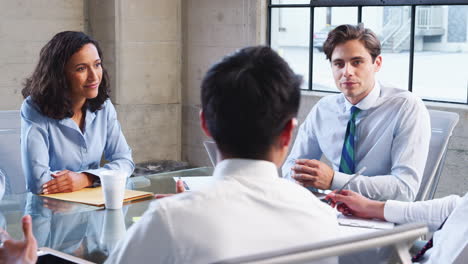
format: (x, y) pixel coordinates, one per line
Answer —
(357, 58)
(337, 60)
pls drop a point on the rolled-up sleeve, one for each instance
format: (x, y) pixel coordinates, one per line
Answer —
(432, 212)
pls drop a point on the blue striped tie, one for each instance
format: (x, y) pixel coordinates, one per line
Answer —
(347, 154)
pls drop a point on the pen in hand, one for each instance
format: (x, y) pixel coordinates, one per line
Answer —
(328, 201)
(185, 184)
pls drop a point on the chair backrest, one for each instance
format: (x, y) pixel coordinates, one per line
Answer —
(212, 150)
(10, 151)
(442, 125)
(399, 237)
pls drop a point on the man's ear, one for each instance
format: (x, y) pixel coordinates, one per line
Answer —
(378, 63)
(203, 124)
(287, 133)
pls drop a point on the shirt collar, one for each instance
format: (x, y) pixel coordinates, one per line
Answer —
(245, 168)
(368, 101)
(68, 122)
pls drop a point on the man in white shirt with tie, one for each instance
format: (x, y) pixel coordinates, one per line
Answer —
(384, 129)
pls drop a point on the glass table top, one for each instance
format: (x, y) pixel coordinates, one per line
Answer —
(84, 231)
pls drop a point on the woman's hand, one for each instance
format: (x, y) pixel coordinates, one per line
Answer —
(67, 181)
(58, 206)
(351, 203)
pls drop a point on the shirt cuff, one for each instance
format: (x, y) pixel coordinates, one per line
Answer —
(96, 178)
(394, 210)
(339, 179)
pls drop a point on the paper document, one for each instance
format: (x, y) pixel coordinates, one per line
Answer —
(94, 196)
(195, 183)
(366, 223)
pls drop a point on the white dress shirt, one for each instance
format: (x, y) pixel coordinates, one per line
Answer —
(392, 140)
(247, 209)
(448, 241)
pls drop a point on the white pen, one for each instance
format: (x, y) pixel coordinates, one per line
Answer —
(348, 182)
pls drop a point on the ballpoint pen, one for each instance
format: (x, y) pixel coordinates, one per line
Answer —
(328, 201)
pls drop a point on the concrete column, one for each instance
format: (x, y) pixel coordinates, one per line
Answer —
(142, 42)
(212, 29)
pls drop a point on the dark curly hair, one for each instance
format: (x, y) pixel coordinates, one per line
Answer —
(48, 86)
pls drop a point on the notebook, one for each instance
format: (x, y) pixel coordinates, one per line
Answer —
(94, 196)
(366, 223)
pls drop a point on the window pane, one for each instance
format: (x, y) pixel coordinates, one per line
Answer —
(392, 24)
(326, 19)
(290, 38)
(289, 2)
(441, 53)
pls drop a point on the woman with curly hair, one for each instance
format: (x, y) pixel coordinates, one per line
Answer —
(67, 119)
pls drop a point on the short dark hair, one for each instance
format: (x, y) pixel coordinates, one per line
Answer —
(48, 86)
(247, 100)
(344, 33)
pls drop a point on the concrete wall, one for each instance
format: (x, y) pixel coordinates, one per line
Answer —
(26, 26)
(144, 40)
(212, 29)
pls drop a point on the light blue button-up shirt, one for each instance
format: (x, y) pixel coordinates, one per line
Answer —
(392, 140)
(49, 145)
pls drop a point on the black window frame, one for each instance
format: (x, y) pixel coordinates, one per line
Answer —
(360, 4)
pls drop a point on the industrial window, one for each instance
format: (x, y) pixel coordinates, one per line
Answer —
(424, 42)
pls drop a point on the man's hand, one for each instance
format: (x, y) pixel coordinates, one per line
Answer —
(351, 203)
(313, 173)
(67, 181)
(24, 251)
(179, 189)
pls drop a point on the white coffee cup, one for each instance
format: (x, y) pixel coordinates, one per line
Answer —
(113, 188)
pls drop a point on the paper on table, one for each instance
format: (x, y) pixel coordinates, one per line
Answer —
(94, 196)
(366, 223)
(196, 183)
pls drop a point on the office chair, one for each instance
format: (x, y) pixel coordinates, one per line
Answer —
(10, 152)
(400, 238)
(212, 150)
(442, 125)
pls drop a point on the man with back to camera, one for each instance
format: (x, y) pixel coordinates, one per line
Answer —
(384, 129)
(249, 103)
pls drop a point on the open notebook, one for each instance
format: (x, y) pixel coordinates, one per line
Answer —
(94, 196)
